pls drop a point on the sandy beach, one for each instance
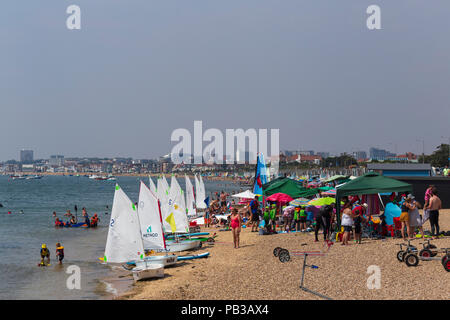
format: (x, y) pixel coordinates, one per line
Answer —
(252, 272)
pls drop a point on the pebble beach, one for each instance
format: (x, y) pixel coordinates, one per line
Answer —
(252, 272)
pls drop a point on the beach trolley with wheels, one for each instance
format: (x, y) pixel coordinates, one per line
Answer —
(430, 251)
(285, 256)
(405, 250)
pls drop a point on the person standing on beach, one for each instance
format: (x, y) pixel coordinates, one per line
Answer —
(288, 215)
(323, 220)
(434, 206)
(254, 207)
(404, 216)
(235, 223)
(358, 213)
(428, 195)
(347, 220)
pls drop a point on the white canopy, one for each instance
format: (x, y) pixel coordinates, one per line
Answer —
(246, 195)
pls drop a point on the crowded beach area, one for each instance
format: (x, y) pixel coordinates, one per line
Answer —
(290, 237)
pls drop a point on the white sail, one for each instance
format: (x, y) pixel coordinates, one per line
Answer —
(124, 242)
(200, 193)
(178, 222)
(163, 194)
(190, 199)
(150, 219)
(152, 185)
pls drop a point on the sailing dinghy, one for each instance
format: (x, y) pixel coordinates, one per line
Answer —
(124, 242)
(150, 220)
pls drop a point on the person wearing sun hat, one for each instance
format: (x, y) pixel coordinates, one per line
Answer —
(408, 204)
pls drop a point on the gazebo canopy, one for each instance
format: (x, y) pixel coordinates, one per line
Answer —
(370, 183)
(288, 186)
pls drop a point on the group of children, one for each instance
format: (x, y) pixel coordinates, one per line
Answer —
(90, 223)
(45, 254)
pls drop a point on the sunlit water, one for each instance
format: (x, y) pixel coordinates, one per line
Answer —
(21, 235)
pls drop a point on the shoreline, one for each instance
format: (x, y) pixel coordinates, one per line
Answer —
(138, 175)
(252, 272)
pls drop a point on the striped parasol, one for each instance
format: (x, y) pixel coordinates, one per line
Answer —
(299, 202)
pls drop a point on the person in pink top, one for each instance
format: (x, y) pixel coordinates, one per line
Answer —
(235, 223)
(428, 195)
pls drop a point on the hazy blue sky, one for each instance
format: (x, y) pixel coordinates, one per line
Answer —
(138, 69)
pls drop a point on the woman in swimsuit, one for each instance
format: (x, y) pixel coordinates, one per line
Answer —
(236, 221)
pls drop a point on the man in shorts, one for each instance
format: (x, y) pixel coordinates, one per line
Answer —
(223, 201)
(254, 208)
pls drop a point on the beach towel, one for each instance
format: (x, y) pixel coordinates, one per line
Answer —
(426, 216)
(415, 219)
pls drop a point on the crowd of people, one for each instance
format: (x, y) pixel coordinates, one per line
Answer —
(73, 219)
(354, 217)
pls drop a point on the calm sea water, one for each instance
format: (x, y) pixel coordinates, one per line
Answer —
(21, 235)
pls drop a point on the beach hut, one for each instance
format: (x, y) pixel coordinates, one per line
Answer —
(370, 183)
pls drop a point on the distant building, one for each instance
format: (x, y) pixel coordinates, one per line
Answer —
(401, 169)
(324, 155)
(380, 154)
(27, 168)
(360, 155)
(56, 160)
(26, 156)
(313, 159)
(409, 156)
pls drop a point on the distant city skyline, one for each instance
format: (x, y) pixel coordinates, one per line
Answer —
(354, 152)
(136, 72)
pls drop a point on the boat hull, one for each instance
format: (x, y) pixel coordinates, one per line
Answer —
(164, 260)
(182, 245)
(148, 271)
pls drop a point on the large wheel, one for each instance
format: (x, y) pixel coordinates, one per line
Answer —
(400, 255)
(425, 253)
(412, 260)
(433, 249)
(284, 256)
(443, 259)
(276, 251)
(446, 263)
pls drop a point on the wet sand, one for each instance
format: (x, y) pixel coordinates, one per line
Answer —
(252, 272)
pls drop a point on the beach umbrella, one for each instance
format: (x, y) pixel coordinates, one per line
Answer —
(281, 198)
(322, 201)
(299, 202)
(331, 192)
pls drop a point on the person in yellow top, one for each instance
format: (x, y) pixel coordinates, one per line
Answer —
(45, 253)
(446, 171)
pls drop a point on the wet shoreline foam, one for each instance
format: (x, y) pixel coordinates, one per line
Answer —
(117, 284)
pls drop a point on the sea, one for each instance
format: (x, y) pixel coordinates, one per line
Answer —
(30, 224)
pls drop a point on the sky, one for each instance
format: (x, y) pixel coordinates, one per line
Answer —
(139, 69)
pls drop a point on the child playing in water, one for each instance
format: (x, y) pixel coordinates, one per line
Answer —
(45, 253)
(59, 252)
